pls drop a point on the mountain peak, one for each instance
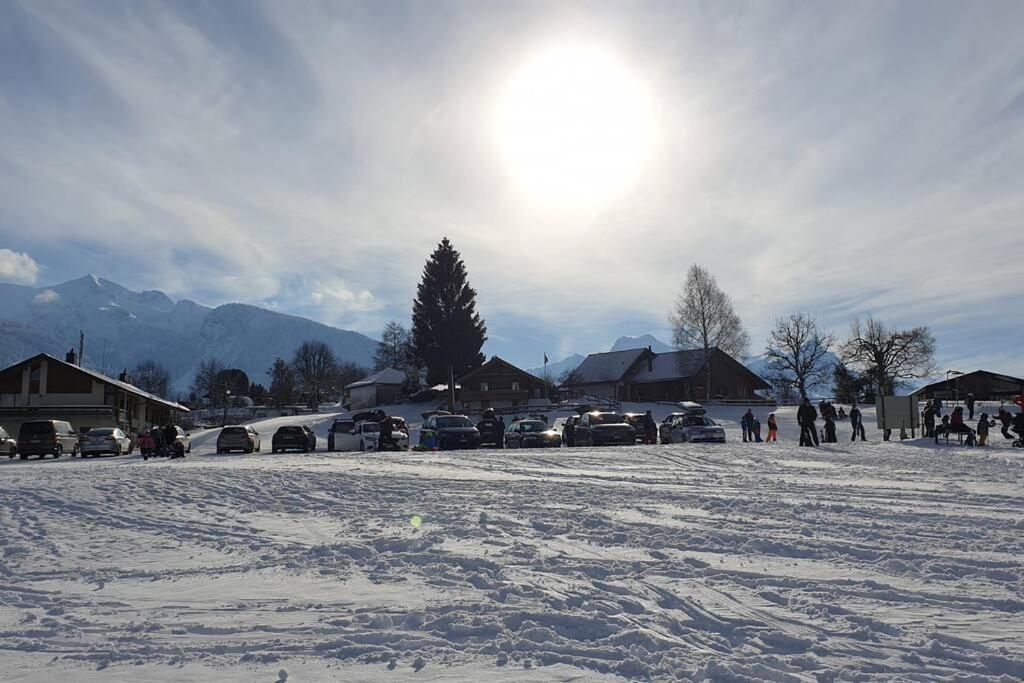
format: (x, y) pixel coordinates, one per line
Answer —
(641, 342)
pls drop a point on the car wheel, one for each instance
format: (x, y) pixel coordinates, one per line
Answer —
(117, 450)
(22, 456)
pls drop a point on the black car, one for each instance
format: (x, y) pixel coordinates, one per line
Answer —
(532, 434)
(603, 429)
(449, 432)
(299, 438)
(488, 428)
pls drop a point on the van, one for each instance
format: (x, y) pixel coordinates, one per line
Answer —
(47, 437)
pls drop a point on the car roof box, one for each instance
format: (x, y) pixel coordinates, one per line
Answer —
(692, 408)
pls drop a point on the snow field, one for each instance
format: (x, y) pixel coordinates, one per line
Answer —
(739, 562)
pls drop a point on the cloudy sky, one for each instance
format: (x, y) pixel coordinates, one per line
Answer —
(842, 159)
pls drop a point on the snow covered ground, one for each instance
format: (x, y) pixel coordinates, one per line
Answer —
(737, 562)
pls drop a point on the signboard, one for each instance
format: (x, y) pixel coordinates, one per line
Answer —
(898, 412)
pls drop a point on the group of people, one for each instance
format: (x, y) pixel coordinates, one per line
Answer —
(955, 423)
(492, 428)
(807, 418)
(161, 441)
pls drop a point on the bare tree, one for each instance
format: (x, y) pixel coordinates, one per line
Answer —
(798, 353)
(570, 379)
(208, 382)
(391, 349)
(889, 355)
(152, 377)
(703, 318)
(314, 364)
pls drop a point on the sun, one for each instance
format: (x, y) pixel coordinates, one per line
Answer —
(574, 127)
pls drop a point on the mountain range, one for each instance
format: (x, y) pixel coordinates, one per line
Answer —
(123, 328)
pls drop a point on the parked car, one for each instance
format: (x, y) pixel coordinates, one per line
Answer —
(100, 440)
(696, 428)
(300, 438)
(488, 428)
(600, 428)
(238, 438)
(47, 437)
(365, 437)
(532, 434)
(665, 428)
(449, 432)
(338, 433)
(8, 445)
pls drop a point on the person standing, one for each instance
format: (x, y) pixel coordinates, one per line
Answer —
(1005, 418)
(830, 428)
(857, 422)
(650, 429)
(757, 430)
(929, 419)
(969, 402)
(806, 416)
(983, 425)
(499, 432)
(773, 428)
(747, 425)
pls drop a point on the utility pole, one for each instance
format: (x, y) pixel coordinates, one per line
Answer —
(451, 386)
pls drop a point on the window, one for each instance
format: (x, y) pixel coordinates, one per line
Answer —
(483, 386)
(515, 386)
(34, 378)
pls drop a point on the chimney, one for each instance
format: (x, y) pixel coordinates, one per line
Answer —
(650, 360)
(125, 377)
(70, 357)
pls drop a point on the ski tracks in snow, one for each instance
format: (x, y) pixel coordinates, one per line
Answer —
(687, 561)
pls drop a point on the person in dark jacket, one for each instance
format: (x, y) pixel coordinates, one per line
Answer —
(747, 425)
(386, 437)
(773, 428)
(1005, 418)
(982, 428)
(650, 429)
(830, 428)
(756, 429)
(955, 425)
(805, 417)
(170, 438)
(969, 402)
(929, 419)
(499, 432)
(857, 422)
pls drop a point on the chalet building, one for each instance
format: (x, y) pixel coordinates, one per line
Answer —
(985, 385)
(642, 375)
(380, 388)
(47, 388)
(498, 384)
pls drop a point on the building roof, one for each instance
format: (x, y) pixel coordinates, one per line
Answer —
(608, 367)
(130, 388)
(385, 376)
(671, 365)
(941, 384)
(490, 365)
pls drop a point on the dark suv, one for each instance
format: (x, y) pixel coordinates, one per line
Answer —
(603, 429)
(47, 437)
(300, 438)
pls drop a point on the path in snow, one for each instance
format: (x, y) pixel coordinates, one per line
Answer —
(768, 561)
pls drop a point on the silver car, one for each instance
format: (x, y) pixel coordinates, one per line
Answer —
(696, 428)
(99, 440)
(238, 438)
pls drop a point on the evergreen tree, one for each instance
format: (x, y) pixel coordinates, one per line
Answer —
(447, 332)
(282, 384)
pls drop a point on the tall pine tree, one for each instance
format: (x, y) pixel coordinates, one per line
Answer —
(446, 329)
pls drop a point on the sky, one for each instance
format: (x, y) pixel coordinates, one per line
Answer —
(841, 159)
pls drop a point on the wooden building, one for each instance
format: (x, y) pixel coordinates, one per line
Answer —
(47, 388)
(985, 385)
(380, 388)
(499, 384)
(642, 375)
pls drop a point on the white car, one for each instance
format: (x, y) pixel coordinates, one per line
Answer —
(99, 440)
(696, 428)
(362, 436)
(8, 446)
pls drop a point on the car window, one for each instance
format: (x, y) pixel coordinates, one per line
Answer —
(233, 430)
(454, 421)
(35, 428)
(101, 431)
(605, 418)
(533, 426)
(370, 427)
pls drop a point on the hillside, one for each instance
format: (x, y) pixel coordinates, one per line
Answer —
(123, 328)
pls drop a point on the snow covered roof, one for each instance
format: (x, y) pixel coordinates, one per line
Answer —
(385, 376)
(672, 365)
(607, 367)
(130, 388)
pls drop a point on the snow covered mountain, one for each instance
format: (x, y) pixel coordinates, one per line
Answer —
(123, 328)
(641, 342)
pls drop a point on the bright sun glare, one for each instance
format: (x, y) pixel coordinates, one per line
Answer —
(574, 127)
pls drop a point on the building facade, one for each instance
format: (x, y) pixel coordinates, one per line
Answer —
(47, 388)
(985, 385)
(380, 388)
(641, 375)
(500, 385)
